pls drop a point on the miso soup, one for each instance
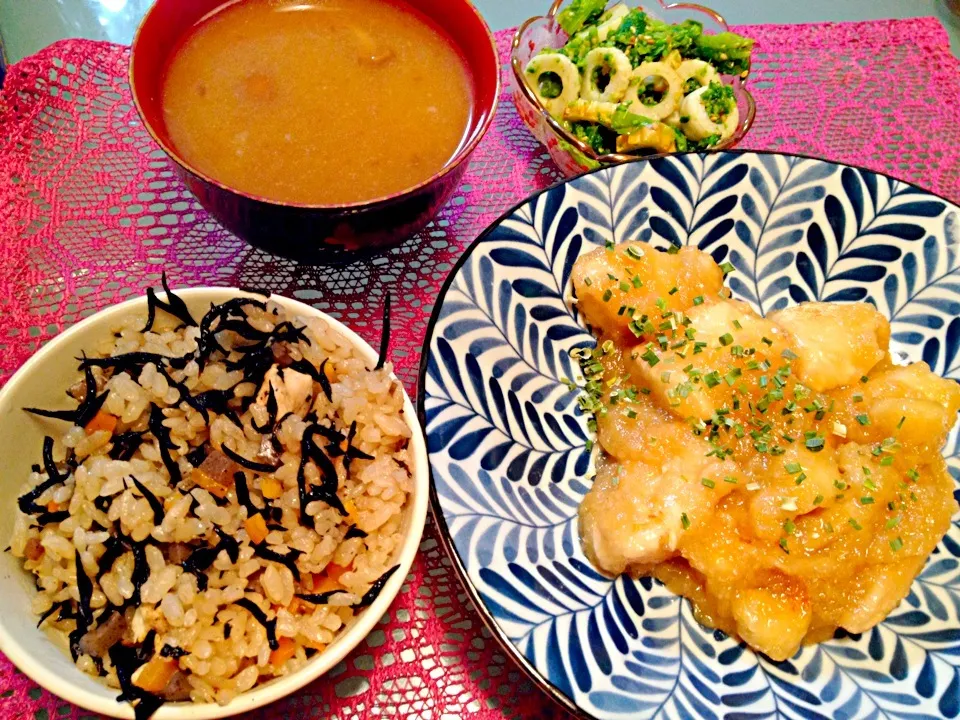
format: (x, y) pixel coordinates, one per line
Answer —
(317, 101)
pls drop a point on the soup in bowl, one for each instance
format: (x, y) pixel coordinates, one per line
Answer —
(317, 129)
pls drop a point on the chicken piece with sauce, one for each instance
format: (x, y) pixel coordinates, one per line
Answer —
(781, 472)
(635, 276)
(663, 484)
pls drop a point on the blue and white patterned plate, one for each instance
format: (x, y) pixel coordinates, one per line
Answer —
(507, 443)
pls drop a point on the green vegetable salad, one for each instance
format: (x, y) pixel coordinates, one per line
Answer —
(628, 82)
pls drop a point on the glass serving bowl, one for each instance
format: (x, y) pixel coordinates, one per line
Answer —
(571, 154)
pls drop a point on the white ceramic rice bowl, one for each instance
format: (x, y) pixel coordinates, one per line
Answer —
(42, 382)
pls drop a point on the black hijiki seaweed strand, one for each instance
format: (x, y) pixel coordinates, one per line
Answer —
(27, 502)
(59, 606)
(196, 456)
(180, 310)
(285, 332)
(114, 547)
(174, 305)
(255, 291)
(248, 464)
(68, 415)
(84, 611)
(354, 532)
(125, 661)
(155, 503)
(89, 406)
(384, 333)
(184, 393)
(242, 329)
(172, 651)
(326, 491)
(261, 617)
(228, 544)
(162, 434)
(306, 367)
(353, 453)
(207, 344)
(333, 435)
(243, 494)
(125, 445)
(131, 362)
(254, 366)
(56, 516)
(141, 570)
(289, 560)
(374, 592)
(217, 401)
(324, 380)
(202, 558)
(320, 598)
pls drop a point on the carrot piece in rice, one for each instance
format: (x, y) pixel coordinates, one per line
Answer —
(101, 421)
(271, 488)
(286, 649)
(256, 528)
(155, 674)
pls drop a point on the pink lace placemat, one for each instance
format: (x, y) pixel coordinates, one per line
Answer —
(91, 212)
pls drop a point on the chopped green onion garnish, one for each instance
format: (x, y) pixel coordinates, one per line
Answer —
(731, 377)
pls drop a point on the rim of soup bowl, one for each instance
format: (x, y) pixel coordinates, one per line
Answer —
(616, 158)
(316, 666)
(463, 152)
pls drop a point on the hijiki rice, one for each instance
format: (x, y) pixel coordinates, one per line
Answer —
(226, 497)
